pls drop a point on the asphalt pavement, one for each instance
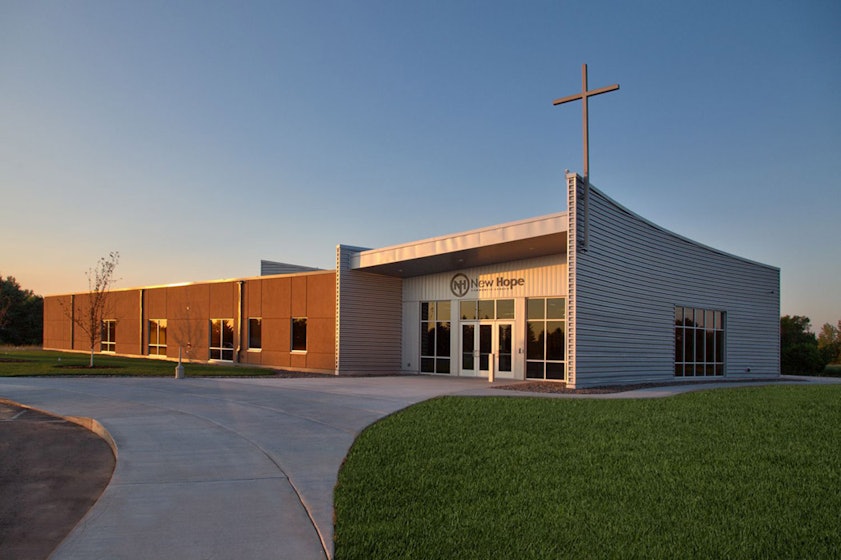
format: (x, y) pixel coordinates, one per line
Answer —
(51, 472)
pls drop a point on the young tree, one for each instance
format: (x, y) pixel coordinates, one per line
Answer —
(188, 332)
(90, 313)
(21, 314)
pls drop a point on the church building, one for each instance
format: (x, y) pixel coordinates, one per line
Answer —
(592, 296)
(596, 295)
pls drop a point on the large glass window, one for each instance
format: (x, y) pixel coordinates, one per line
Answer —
(299, 334)
(546, 338)
(699, 342)
(435, 336)
(485, 309)
(157, 337)
(255, 333)
(108, 339)
(222, 339)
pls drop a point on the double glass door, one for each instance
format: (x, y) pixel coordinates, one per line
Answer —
(483, 341)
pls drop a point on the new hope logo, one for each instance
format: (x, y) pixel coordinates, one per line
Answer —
(460, 284)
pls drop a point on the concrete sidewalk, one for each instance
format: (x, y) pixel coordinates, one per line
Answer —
(221, 468)
(233, 468)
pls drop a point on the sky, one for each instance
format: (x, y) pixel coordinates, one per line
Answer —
(198, 137)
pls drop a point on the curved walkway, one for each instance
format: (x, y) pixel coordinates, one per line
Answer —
(229, 468)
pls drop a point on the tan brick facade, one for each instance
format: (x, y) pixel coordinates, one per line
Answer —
(189, 309)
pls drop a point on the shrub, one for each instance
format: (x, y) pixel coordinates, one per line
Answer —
(801, 359)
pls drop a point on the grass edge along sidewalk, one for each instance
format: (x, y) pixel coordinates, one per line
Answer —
(36, 362)
(734, 473)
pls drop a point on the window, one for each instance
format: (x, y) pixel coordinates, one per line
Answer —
(299, 334)
(222, 339)
(699, 342)
(546, 338)
(108, 340)
(471, 309)
(255, 333)
(435, 336)
(157, 337)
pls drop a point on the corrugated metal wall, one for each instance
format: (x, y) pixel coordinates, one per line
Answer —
(270, 268)
(628, 281)
(368, 319)
(411, 337)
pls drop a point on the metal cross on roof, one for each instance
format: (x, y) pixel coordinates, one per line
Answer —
(584, 96)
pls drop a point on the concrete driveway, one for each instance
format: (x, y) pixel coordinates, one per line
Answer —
(221, 468)
(236, 468)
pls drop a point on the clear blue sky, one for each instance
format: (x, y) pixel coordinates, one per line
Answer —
(198, 137)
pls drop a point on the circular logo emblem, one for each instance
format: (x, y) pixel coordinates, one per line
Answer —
(460, 285)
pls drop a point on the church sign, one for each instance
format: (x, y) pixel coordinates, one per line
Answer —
(461, 284)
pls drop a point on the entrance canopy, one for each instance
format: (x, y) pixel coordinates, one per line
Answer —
(524, 239)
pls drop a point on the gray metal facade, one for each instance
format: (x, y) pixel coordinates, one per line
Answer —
(270, 268)
(625, 282)
(368, 319)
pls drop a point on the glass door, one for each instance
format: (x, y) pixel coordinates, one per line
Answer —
(485, 345)
(504, 348)
(476, 348)
(480, 340)
(468, 345)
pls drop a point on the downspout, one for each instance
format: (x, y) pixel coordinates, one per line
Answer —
(239, 319)
(142, 315)
(72, 321)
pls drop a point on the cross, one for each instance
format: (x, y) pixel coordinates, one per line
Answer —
(584, 96)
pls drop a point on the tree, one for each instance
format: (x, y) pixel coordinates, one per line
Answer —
(21, 314)
(829, 343)
(799, 352)
(187, 333)
(90, 313)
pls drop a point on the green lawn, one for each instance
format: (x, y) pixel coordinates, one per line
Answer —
(734, 473)
(27, 362)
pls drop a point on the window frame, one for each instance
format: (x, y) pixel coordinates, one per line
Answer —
(503, 309)
(109, 327)
(547, 365)
(440, 358)
(251, 347)
(700, 337)
(221, 353)
(292, 335)
(159, 325)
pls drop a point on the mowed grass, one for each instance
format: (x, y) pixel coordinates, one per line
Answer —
(733, 473)
(32, 362)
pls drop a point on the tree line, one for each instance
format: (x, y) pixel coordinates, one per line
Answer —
(21, 314)
(803, 351)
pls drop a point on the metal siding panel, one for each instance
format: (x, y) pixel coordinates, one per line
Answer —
(368, 319)
(271, 268)
(411, 336)
(628, 282)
